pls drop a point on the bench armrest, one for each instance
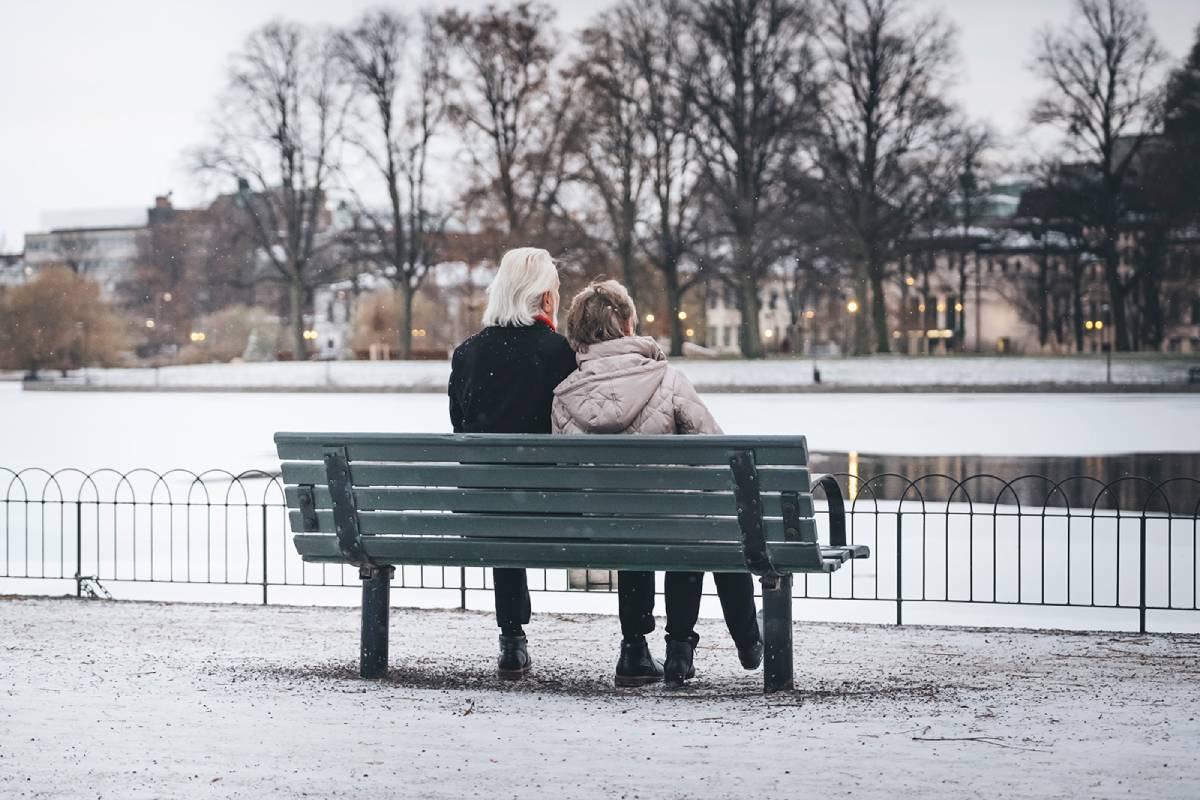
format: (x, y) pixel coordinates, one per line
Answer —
(837, 508)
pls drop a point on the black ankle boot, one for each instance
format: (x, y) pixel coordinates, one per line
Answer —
(751, 654)
(635, 667)
(514, 661)
(679, 666)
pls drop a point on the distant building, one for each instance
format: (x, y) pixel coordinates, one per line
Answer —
(446, 310)
(105, 254)
(723, 318)
(976, 290)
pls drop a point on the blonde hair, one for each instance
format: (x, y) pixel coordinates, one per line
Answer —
(601, 312)
(515, 294)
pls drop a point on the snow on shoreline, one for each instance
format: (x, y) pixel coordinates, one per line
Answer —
(880, 371)
(149, 700)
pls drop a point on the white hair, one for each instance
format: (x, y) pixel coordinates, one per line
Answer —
(515, 294)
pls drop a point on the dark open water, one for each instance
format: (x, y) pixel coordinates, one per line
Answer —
(1131, 479)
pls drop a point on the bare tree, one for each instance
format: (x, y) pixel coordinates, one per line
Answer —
(162, 286)
(1164, 194)
(753, 92)
(613, 153)
(278, 134)
(1098, 72)
(657, 37)
(639, 155)
(974, 174)
(514, 110)
(228, 270)
(1055, 213)
(885, 131)
(403, 89)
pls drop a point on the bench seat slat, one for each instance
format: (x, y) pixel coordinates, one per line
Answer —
(504, 476)
(532, 449)
(548, 528)
(538, 555)
(541, 501)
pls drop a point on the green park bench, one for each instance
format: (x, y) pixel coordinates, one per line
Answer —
(684, 503)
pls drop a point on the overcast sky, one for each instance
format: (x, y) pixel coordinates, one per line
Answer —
(99, 100)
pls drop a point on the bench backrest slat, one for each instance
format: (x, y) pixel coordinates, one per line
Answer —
(507, 476)
(655, 556)
(530, 449)
(567, 526)
(543, 501)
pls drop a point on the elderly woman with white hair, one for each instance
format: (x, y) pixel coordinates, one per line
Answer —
(502, 380)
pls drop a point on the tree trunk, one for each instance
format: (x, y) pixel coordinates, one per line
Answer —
(1043, 301)
(1077, 302)
(960, 317)
(1116, 291)
(1153, 316)
(406, 304)
(296, 319)
(674, 305)
(878, 310)
(629, 269)
(862, 333)
(751, 339)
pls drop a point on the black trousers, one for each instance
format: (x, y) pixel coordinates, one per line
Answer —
(635, 599)
(512, 597)
(736, 592)
(635, 603)
(635, 596)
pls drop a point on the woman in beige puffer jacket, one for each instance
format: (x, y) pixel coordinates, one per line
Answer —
(624, 385)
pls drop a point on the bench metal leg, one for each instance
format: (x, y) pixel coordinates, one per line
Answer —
(777, 636)
(377, 592)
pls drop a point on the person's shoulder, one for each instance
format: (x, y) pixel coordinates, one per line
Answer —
(553, 342)
(470, 343)
(677, 380)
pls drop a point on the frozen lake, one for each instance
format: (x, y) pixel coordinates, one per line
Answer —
(124, 430)
(210, 535)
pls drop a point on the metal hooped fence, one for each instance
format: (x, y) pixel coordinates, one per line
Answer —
(1127, 547)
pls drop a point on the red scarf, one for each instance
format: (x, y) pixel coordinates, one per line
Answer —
(542, 318)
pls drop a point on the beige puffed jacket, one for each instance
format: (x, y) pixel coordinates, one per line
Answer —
(626, 386)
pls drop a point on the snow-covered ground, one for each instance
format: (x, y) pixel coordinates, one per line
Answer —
(233, 431)
(117, 700)
(714, 375)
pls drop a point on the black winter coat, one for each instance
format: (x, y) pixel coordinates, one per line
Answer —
(502, 379)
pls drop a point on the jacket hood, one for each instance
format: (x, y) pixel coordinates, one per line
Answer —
(614, 383)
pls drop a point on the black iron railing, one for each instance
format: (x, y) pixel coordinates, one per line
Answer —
(1128, 546)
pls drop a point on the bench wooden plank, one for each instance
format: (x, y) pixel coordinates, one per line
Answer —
(506, 476)
(656, 557)
(566, 526)
(541, 501)
(531, 449)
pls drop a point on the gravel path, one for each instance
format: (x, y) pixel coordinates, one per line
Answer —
(131, 700)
